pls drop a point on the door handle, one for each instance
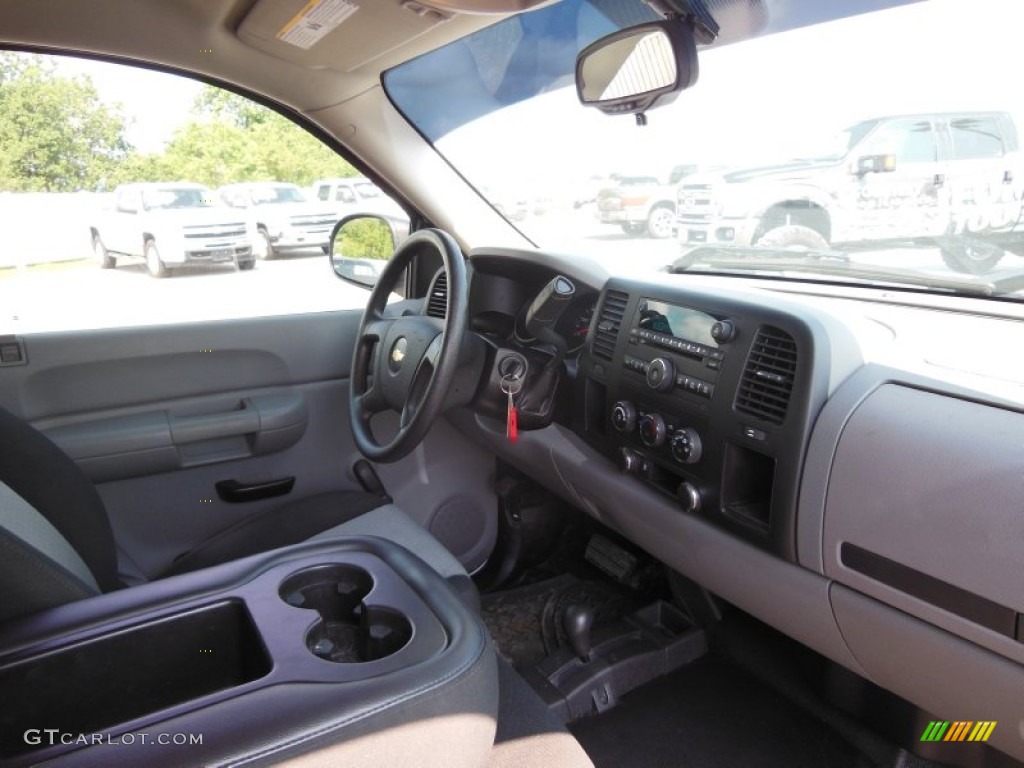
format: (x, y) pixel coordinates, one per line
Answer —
(939, 180)
(235, 492)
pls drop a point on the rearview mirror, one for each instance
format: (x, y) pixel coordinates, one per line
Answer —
(636, 69)
(360, 248)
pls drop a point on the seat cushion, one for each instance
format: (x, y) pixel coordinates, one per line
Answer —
(529, 735)
(287, 524)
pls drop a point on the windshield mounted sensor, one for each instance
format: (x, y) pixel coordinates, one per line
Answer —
(636, 69)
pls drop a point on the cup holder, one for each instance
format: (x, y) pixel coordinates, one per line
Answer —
(349, 631)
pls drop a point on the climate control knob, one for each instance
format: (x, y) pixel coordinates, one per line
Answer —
(624, 416)
(630, 462)
(689, 497)
(653, 430)
(685, 445)
(660, 374)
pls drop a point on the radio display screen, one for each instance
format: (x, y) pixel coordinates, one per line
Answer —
(677, 322)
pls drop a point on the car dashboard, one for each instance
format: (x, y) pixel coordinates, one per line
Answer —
(790, 452)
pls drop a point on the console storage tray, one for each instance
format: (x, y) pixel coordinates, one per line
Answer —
(334, 631)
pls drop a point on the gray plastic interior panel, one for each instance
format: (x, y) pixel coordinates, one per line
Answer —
(80, 371)
(156, 441)
(447, 485)
(933, 484)
(156, 518)
(825, 439)
(784, 595)
(943, 674)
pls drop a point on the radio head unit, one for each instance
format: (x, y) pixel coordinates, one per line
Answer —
(671, 322)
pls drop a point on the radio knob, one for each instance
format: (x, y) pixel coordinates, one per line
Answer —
(686, 446)
(652, 429)
(629, 461)
(689, 497)
(624, 416)
(660, 374)
(723, 331)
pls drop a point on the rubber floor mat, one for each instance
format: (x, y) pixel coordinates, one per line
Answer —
(514, 618)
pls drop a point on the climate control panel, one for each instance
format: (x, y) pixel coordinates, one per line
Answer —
(704, 397)
(673, 439)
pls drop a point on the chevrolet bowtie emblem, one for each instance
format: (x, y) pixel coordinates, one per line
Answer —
(398, 352)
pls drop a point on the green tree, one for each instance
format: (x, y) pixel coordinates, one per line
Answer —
(225, 106)
(232, 138)
(364, 239)
(56, 133)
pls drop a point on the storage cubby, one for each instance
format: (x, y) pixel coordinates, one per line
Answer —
(90, 686)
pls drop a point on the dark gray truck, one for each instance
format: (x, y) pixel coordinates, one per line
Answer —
(954, 180)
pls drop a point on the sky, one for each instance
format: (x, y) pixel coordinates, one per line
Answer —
(155, 103)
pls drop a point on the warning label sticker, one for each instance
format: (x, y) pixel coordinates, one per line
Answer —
(315, 20)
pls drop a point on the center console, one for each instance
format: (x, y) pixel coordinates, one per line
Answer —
(708, 399)
(302, 649)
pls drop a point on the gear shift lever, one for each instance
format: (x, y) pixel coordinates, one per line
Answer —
(577, 622)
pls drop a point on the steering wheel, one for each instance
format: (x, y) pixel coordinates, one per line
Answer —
(407, 364)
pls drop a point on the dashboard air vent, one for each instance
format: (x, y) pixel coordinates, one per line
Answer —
(608, 324)
(768, 375)
(437, 297)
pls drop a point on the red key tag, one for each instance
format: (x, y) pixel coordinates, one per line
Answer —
(512, 426)
(510, 385)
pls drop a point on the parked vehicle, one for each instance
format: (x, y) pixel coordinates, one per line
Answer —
(642, 204)
(282, 215)
(171, 225)
(355, 194)
(894, 178)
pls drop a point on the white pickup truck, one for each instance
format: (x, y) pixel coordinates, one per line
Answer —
(170, 225)
(285, 219)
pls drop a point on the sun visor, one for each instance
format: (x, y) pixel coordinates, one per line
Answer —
(335, 34)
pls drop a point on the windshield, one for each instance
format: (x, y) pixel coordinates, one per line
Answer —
(271, 195)
(856, 135)
(177, 197)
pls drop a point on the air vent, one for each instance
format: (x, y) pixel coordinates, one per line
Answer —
(608, 324)
(437, 297)
(768, 376)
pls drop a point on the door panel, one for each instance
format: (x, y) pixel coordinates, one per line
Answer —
(160, 415)
(158, 420)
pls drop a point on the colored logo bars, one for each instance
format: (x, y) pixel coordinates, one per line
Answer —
(958, 730)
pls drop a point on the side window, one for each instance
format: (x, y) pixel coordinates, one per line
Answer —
(79, 219)
(233, 198)
(345, 194)
(909, 141)
(129, 201)
(975, 138)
